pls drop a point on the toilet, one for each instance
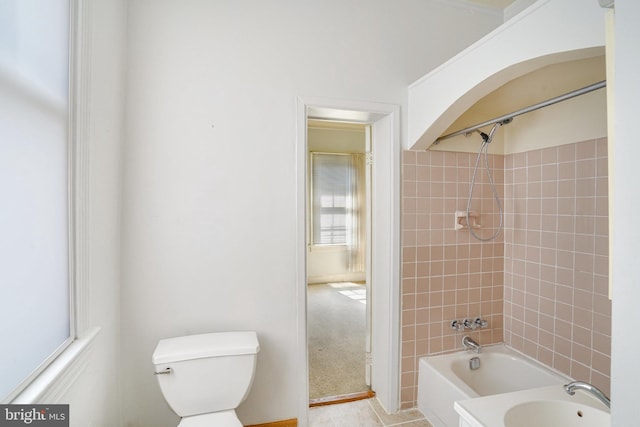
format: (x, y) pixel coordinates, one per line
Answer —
(205, 377)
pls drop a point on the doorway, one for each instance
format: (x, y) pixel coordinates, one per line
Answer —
(385, 241)
(338, 261)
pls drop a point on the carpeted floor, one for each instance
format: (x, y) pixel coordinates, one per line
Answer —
(336, 333)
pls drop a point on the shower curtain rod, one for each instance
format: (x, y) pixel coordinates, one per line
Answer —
(506, 118)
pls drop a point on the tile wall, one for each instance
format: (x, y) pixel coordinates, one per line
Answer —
(446, 274)
(541, 285)
(557, 308)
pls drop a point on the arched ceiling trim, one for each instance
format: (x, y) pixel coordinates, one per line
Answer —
(548, 32)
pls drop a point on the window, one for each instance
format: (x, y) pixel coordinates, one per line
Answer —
(36, 312)
(330, 194)
(336, 188)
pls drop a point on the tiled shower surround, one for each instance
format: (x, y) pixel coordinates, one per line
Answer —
(542, 284)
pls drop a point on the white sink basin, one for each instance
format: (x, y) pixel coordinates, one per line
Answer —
(538, 407)
(555, 414)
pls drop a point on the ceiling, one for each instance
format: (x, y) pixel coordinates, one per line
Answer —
(493, 3)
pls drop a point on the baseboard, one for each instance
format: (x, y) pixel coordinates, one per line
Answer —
(320, 402)
(284, 423)
(344, 398)
(347, 277)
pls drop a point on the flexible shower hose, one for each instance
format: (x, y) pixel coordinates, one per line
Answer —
(486, 140)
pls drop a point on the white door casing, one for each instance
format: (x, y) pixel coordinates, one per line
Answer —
(385, 241)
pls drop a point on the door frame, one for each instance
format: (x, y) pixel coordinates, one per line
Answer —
(385, 241)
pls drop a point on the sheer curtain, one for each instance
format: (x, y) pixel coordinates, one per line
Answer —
(355, 221)
(339, 204)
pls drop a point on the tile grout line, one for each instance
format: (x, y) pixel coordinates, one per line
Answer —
(408, 422)
(375, 412)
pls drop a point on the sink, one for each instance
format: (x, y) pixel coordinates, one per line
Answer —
(549, 406)
(555, 413)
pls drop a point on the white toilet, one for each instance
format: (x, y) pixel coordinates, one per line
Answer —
(205, 377)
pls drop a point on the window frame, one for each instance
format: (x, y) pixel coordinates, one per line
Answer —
(312, 233)
(54, 376)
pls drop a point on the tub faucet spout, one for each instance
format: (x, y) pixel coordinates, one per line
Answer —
(470, 344)
(576, 385)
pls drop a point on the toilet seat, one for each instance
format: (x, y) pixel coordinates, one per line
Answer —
(214, 419)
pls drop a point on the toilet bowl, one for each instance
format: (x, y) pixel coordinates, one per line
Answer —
(205, 377)
(222, 419)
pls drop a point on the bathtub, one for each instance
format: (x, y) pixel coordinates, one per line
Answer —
(446, 378)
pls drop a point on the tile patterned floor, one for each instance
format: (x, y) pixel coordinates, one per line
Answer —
(363, 413)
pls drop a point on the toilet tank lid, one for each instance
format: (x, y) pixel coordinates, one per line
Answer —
(205, 345)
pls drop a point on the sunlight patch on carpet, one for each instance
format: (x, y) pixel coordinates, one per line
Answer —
(359, 295)
(342, 285)
(355, 291)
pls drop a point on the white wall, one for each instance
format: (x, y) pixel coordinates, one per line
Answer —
(210, 183)
(516, 7)
(626, 234)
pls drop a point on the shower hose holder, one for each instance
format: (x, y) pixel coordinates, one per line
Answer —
(461, 220)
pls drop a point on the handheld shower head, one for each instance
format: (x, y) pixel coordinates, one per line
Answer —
(496, 125)
(487, 138)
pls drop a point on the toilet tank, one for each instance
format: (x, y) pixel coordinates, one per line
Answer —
(206, 373)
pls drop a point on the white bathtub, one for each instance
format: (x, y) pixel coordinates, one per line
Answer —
(446, 378)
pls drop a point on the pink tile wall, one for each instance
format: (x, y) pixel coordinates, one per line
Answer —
(546, 272)
(557, 308)
(446, 274)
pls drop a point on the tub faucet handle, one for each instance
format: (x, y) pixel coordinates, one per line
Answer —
(480, 323)
(468, 323)
(456, 325)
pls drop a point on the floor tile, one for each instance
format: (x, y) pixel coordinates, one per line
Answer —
(363, 413)
(417, 423)
(352, 414)
(397, 418)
